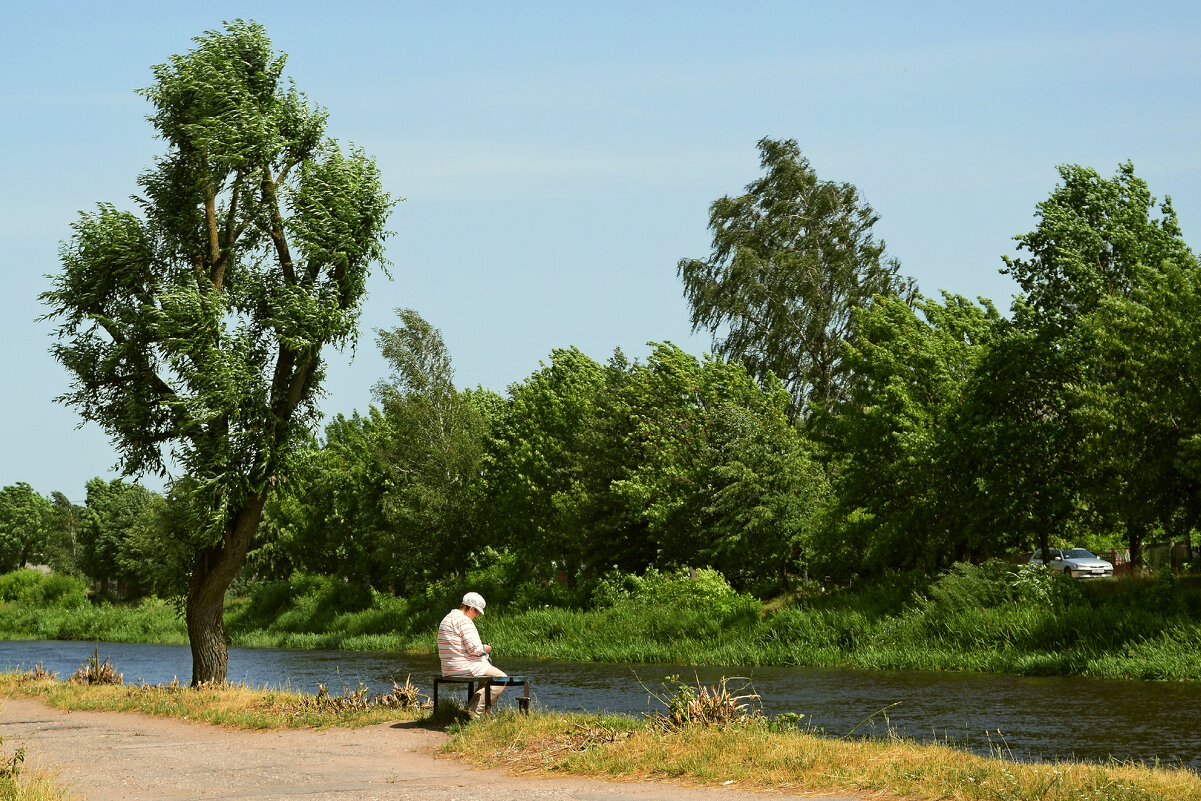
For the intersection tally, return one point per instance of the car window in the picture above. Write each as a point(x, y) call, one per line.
point(1080, 553)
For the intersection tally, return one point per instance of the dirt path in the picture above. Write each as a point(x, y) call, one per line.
point(116, 756)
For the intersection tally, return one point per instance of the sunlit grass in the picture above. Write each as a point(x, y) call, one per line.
point(33, 785)
point(754, 754)
point(229, 705)
point(755, 757)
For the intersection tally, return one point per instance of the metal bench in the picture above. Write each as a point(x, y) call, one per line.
point(523, 700)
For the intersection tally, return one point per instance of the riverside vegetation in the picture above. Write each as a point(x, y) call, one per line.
point(704, 735)
point(992, 617)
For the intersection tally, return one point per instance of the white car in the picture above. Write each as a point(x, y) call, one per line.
point(1076, 562)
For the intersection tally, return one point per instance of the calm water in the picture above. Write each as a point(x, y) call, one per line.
point(1025, 718)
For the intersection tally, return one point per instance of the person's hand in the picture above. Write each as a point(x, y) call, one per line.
point(487, 649)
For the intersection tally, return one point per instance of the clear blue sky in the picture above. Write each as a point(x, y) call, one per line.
point(558, 159)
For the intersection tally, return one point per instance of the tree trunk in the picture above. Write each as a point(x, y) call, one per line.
point(1136, 548)
point(212, 573)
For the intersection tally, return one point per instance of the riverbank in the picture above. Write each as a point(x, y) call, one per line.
point(988, 618)
point(710, 746)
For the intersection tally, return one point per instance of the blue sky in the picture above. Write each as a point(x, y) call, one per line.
point(558, 159)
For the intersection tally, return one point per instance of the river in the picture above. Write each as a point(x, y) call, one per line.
point(1027, 719)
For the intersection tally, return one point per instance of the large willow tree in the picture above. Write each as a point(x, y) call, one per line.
point(193, 326)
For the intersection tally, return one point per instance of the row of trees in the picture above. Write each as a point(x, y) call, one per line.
point(125, 539)
point(582, 467)
point(1076, 418)
point(944, 431)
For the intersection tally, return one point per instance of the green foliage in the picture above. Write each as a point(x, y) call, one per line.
point(26, 519)
point(34, 589)
point(718, 476)
point(905, 495)
point(1034, 584)
point(540, 461)
point(1162, 594)
point(10, 770)
point(433, 455)
point(965, 586)
point(995, 584)
point(792, 258)
point(330, 517)
point(1093, 234)
point(194, 328)
point(304, 603)
point(1095, 260)
point(706, 589)
point(127, 540)
point(1137, 408)
point(64, 615)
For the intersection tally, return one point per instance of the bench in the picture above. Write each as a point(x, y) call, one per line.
point(523, 700)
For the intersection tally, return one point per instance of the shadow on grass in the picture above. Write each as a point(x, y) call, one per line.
point(449, 714)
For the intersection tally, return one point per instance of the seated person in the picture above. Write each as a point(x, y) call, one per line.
point(463, 654)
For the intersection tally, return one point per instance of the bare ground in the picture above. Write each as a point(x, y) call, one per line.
point(117, 756)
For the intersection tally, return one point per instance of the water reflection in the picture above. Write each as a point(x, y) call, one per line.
point(1022, 718)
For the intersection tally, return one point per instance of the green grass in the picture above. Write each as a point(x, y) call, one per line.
point(974, 618)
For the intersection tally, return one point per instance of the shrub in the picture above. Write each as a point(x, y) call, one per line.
point(707, 591)
point(31, 588)
point(1162, 594)
point(967, 586)
point(65, 592)
point(304, 603)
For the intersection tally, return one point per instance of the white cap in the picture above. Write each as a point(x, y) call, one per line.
point(475, 601)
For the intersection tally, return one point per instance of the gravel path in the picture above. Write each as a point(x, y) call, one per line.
point(117, 756)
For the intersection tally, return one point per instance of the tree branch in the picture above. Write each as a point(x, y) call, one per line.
point(270, 197)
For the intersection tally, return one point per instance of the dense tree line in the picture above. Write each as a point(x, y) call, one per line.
point(944, 431)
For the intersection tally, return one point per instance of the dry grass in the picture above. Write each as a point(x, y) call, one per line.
point(755, 757)
point(227, 705)
point(92, 671)
point(747, 752)
point(33, 785)
point(19, 782)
